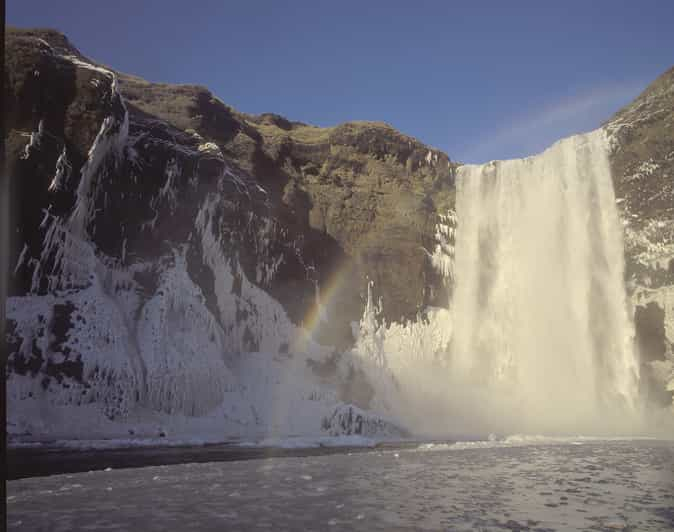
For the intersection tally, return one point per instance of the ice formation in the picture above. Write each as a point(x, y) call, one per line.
point(538, 335)
point(62, 174)
point(442, 257)
point(110, 140)
point(98, 355)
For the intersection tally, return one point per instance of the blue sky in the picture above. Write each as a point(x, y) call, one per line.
point(480, 80)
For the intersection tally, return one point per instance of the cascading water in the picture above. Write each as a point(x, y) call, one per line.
point(541, 325)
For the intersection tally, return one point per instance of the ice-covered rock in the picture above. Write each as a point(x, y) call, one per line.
point(347, 420)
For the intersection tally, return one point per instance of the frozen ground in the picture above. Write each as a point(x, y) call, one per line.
point(538, 484)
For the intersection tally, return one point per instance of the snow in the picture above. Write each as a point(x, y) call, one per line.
point(62, 174)
point(174, 357)
point(89, 66)
point(417, 366)
point(210, 148)
point(431, 158)
point(396, 357)
point(181, 345)
point(169, 363)
point(266, 320)
point(107, 143)
point(167, 193)
point(160, 363)
point(442, 257)
point(21, 259)
point(34, 142)
point(645, 169)
point(653, 243)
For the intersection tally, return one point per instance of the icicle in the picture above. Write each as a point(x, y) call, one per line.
point(62, 174)
point(35, 141)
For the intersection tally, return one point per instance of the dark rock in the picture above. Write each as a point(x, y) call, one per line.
point(306, 206)
point(649, 323)
point(642, 162)
point(351, 202)
point(349, 420)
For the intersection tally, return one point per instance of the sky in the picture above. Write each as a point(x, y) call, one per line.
point(480, 80)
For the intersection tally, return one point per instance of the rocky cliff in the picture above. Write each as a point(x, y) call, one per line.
point(161, 236)
point(643, 172)
point(355, 201)
point(158, 231)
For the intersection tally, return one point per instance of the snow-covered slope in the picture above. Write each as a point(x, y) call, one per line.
point(180, 268)
point(141, 303)
point(642, 161)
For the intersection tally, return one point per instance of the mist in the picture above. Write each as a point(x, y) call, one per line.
point(539, 336)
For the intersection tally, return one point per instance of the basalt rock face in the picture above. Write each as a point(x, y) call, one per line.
point(642, 163)
point(160, 235)
point(348, 203)
point(365, 197)
point(124, 223)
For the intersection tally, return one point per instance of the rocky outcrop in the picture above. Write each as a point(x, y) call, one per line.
point(160, 234)
point(365, 197)
point(643, 171)
point(349, 420)
point(150, 214)
point(348, 203)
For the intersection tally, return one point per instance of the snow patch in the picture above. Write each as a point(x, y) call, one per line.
point(34, 142)
point(442, 258)
point(62, 174)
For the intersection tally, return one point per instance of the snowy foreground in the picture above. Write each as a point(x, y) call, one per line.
point(516, 484)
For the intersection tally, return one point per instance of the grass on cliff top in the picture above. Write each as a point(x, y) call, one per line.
point(304, 134)
point(309, 134)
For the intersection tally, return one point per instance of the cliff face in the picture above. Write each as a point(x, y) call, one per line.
point(364, 197)
point(643, 172)
point(161, 234)
point(140, 252)
point(356, 201)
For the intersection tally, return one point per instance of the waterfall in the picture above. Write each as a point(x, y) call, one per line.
point(540, 311)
